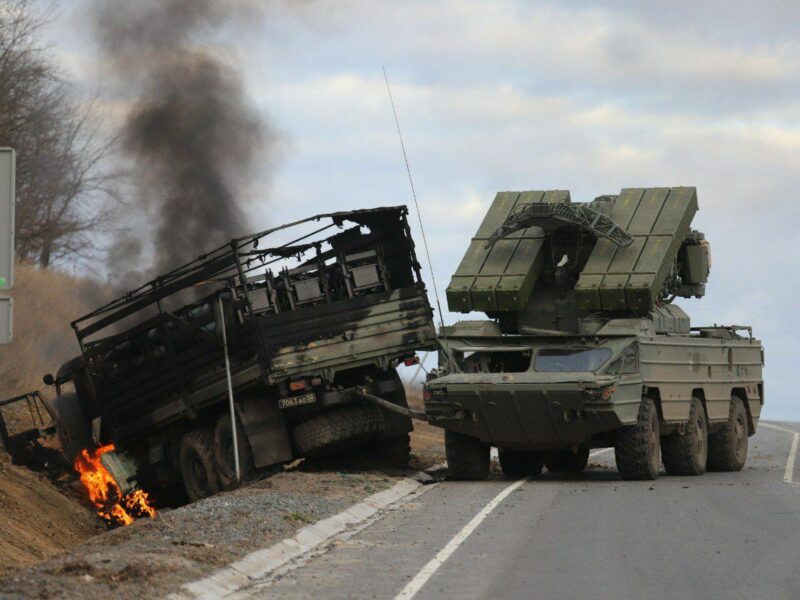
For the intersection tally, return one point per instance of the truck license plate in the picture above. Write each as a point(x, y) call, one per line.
point(291, 401)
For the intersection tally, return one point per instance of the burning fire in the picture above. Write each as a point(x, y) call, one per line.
point(105, 494)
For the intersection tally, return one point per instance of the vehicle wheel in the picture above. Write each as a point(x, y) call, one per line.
point(637, 450)
point(395, 451)
point(567, 461)
point(198, 470)
point(521, 463)
point(727, 448)
point(687, 454)
point(342, 427)
point(223, 452)
point(467, 456)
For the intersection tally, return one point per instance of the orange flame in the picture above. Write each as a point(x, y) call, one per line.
point(104, 493)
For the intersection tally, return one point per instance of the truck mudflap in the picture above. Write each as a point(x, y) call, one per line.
point(538, 417)
point(266, 431)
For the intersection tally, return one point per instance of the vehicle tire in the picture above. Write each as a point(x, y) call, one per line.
point(198, 471)
point(340, 428)
point(637, 449)
point(223, 452)
point(395, 451)
point(727, 448)
point(467, 457)
point(567, 461)
point(521, 463)
point(687, 454)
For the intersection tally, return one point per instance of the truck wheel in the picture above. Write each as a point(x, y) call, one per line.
point(567, 461)
point(521, 463)
point(223, 452)
point(687, 454)
point(395, 451)
point(727, 448)
point(637, 450)
point(467, 457)
point(198, 470)
point(342, 427)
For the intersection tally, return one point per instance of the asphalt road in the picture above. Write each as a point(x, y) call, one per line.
point(721, 535)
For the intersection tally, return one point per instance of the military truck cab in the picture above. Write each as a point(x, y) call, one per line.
point(586, 348)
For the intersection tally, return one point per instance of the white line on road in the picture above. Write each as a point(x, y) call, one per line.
point(788, 475)
point(494, 453)
point(421, 578)
point(596, 452)
point(232, 581)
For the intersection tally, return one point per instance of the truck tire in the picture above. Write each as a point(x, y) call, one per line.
point(223, 452)
point(637, 449)
point(395, 451)
point(342, 427)
point(687, 454)
point(198, 471)
point(467, 457)
point(521, 463)
point(727, 448)
point(567, 461)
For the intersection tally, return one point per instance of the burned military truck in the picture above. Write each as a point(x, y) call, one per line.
point(585, 347)
point(285, 324)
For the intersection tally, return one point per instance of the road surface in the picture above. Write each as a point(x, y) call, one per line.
point(721, 535)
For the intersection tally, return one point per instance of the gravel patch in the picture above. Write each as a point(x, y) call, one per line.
point(152, 558)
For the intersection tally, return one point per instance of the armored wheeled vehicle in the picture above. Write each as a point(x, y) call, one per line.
point(585, 347)
point(268, 340)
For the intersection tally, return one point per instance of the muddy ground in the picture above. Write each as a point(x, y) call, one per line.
point(152, 558)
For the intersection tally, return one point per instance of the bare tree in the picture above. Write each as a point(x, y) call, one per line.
point(65, 193)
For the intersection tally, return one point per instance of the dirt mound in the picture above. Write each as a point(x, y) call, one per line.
point(38, 520)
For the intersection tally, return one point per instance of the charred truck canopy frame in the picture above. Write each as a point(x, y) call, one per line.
point(314, 311)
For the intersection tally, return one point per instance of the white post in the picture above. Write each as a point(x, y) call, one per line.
point(230, 390)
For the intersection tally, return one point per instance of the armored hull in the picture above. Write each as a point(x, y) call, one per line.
point(553, 409)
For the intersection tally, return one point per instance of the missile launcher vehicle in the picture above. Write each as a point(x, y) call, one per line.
point(584, 347)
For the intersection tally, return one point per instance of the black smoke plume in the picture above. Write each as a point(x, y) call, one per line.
point(191, 133)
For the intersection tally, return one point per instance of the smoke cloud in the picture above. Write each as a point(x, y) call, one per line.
point(192, 135)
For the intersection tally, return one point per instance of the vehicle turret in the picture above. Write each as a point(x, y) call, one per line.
point(541, 261)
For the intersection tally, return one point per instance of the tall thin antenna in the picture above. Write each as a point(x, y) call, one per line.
point(416, 205)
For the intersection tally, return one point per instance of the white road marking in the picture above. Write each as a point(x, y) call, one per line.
point(596, 452)
point(494, 453)
point(788, 475)
point(233, 580)
point(421, 578)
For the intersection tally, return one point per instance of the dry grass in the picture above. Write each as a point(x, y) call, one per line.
point(45, 302)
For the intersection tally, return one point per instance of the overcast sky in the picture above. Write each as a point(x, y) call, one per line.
point(584, 96)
